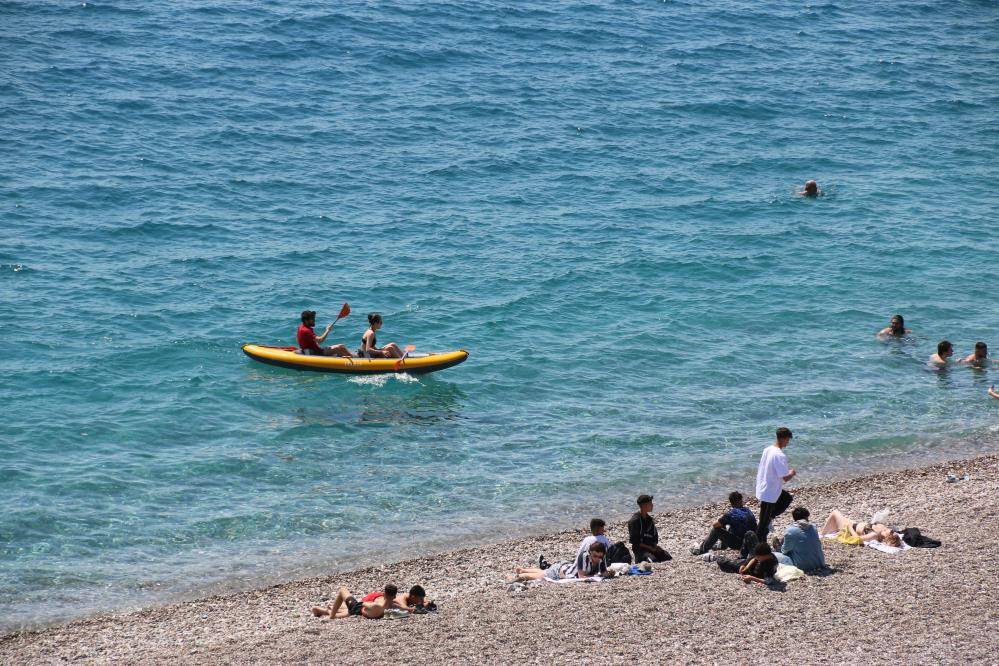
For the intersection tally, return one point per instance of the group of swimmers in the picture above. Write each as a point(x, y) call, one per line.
point(310, 344)
point(979, 358)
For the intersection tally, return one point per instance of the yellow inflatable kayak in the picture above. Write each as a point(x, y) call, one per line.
point(414, 363)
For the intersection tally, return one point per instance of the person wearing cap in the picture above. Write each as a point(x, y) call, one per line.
point(310, 343)
point(771, 476)
point(643, 534)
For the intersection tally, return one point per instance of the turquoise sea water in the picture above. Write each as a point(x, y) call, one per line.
point(595, 199)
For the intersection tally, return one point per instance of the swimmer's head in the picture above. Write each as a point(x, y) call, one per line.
point(944, 349)
point(981, 350)
point(897, 325)
point(811, 188)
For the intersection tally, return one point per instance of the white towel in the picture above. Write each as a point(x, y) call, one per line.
point(885, 548)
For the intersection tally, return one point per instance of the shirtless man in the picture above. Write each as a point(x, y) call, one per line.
point(412, 601)
point(345, 605)
point(944, 351)
point(811, 189)
point(895, 329)
point(980, 358)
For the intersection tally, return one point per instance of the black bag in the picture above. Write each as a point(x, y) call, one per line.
point(917, 539)
point(618, 554)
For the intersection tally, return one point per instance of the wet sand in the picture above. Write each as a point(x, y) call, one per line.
point(923, 605)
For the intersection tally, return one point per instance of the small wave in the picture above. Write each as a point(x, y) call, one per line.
point(380, 380)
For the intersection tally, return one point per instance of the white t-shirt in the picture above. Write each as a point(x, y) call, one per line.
point(584, 545)
point(770, 475)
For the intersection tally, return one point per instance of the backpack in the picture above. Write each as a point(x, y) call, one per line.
point(618, 553)
point(917, 539)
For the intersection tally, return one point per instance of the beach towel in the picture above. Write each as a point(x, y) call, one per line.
point(591, 579)
point(787, 572)
point(885, 548)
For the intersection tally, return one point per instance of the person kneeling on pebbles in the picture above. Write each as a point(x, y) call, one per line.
point(345, 605)
point(588, 564)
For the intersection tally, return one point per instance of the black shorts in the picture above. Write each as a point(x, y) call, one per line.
point(353, 606)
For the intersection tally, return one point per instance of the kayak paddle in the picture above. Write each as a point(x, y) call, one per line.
point(399, 363)
point(344, 311)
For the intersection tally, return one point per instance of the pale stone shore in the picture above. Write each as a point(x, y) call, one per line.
point(920, 606)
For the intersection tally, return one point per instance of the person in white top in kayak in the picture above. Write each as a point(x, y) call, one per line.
point(369, 343)
point(771, 476)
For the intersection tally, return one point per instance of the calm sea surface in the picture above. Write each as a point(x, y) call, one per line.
point(595, 199)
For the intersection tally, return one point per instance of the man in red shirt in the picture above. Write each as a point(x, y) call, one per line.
point(309, 343)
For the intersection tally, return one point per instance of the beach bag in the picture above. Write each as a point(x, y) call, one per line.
point(618, 553)
point(916, 539)
point(788, 572)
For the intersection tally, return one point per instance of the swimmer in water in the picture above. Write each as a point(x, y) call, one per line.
point(896, 329)
point(811, 189)
point(944, 351)
point(993, 392)
point(980, 358)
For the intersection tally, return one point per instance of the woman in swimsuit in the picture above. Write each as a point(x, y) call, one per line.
point(369, 344)
point(837, 523)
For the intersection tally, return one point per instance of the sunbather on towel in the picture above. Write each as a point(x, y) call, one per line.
point(346, 605)
point(855, 533)
point(590, 563)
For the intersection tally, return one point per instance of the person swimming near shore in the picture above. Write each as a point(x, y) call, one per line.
point(590, 563)
point(811, 189)
point(944, 351)
point(310, 344)
point(979, 358)
point(855, 532)
point(345, 605)
point(369, 343)
point(895, 329)
point(993, 392)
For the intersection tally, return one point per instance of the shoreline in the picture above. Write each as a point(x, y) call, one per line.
point(478, 616)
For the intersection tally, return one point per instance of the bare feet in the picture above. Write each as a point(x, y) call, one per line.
point(319, 611)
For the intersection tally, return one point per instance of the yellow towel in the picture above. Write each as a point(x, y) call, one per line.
point(844, 536)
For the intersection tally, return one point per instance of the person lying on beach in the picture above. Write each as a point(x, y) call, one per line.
point(590, 563)
point(855, 533)
point(980, 357)
point(310, 343)
point(733, 529)
point(345, 605)
point(811, 189)
point(944, 351)
point(758, 569)
point(895, 329)
point(643, 535)
point(369, 343)
point(412, 601)
point(801, 546)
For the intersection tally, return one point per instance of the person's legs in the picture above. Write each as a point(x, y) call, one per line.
point(766, 515)
point(729, 565)
point(749, 542)
point(336, 609)
point(522, 574)
point(392, 350)
point(339, 350)
point(782, 503)
point(719, 534)
point(834, 523)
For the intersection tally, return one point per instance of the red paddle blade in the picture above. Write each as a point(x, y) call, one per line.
point(399, 363)
point(344, 311)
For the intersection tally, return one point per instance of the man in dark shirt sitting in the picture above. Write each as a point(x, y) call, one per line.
point(736, 529)
point(643, 534)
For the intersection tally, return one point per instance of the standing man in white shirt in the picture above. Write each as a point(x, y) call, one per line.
point(770, 479)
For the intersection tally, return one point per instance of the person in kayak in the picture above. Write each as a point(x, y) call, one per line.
point(310, 344)
point(369, 343)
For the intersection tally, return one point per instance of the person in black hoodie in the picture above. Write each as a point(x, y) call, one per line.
point(643, 534)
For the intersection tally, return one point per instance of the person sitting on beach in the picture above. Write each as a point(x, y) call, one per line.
point(369, 343)
point(895, 329)
point(590, 563)
point(854, 533)
point(643, 535)
point(597, 529)
point(801, 545)
point(758, 569)
point(735, 529)
point(345, 605)
point(309, 343)
point(811, 189)
point(980, 357)
point(944, 351)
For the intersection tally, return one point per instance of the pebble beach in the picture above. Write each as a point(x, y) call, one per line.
point(918, 606)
